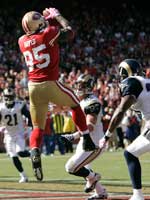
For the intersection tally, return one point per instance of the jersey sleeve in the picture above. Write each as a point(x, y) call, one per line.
point(131, 86)
point(93, 108)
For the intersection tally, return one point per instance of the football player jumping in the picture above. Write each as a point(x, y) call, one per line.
point(78, 164)
point(40, 47)
point(135, 94)
point(12, 123)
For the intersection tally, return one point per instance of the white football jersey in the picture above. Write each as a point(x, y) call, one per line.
point(11, 119)
point(143, 100)
point(91, 102)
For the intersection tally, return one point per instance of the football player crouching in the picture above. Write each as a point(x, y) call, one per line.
point(79, 163)
point(12, 123)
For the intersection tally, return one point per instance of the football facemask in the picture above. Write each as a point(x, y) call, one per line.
point(9, 97)
point(84, 85)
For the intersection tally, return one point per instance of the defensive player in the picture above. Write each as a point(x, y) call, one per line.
point(78, 164)
point(135, 94)
point(40, 48)
point(12, 123)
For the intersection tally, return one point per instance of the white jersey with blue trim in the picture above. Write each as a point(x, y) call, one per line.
point(92, 102)
point(11, 118)
point(143, 100)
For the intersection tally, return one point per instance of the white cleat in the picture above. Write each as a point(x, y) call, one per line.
point(90, 184)
point(23, 180)
point(102, 195)
point(137, 197)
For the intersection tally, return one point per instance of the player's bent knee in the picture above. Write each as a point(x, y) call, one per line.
point(69, 167)
point(128, 155)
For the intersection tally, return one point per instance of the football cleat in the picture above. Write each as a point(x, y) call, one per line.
point(95, 196)
point(23, 179)
point(36, 164)
point(91, 183)
point(67, 138)
point(137, 197)
point(38, 173)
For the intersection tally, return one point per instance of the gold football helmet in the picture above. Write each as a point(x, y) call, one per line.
point(33, 22)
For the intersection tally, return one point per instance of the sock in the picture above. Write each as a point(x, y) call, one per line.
point(36, 138)
point(79, 119)
point(91, 175)
point(17, 164)
point(134, 168)
point(24, 154)
point(98, 188)
point(22, 174)
point(83, 172)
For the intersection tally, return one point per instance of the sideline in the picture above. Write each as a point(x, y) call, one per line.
point(35, 195)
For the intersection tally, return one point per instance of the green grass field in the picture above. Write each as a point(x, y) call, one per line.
point(111, 165)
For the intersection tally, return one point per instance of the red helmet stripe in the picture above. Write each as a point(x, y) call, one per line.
point(25, 25)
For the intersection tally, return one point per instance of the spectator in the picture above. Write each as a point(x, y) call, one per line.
point(48, 142)
point(133, 126)
point(58, 124)
point(68, 128)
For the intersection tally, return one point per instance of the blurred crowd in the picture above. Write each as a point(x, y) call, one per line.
point(103, 37)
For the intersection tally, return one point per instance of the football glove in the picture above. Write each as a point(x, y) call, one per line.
point(53, 12)
point(102, 143)
point(88, 144)
point(104, 140)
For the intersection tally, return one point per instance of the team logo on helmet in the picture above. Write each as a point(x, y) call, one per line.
point(84, 84)
point(129, 67)
point(32, 22)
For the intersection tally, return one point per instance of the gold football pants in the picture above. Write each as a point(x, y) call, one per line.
point(41, 94)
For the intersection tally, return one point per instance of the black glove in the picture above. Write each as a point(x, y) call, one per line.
point(88, 144)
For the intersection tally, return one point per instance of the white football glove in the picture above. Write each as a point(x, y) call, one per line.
point(53, 12)
point(103, 143)
point(104, 140)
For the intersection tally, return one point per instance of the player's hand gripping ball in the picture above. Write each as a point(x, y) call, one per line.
point(50, 13)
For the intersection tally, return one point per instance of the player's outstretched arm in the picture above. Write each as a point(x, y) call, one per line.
point(53, 13)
